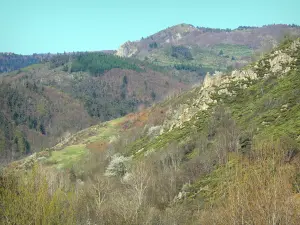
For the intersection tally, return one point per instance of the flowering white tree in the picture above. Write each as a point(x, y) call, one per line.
point(117, 166)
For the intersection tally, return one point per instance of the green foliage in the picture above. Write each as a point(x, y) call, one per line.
point(10, 62)
point(59, 60)
point(124, 87)
point(67, 157)
point(197, 57)
point(246, 27)
point(153, 45)
point(237, 51)
point(271, 105)
point(181, 52)
point(214, 183)
point(2, 141)
point(13, 142)
point(193, 68)
point(17, 101)
point(102, 100)
point(23, 104)
point(217, 30)
point(98, 63)
point(27, 199)
point(177, 135)
point(153, 95)
point(22, 145)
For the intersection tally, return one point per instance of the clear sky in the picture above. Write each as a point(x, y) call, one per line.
point(40, 26)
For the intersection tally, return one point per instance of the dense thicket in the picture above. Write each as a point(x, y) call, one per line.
point(104, 101)
point(98, 63)
point(21, 108)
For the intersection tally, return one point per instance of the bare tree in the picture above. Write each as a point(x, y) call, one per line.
point(138, 181)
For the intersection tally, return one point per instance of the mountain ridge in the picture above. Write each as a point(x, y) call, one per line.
point(217, 49)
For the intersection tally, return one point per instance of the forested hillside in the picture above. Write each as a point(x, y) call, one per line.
point(11, 61)
point(44, 103)
point(225, 152)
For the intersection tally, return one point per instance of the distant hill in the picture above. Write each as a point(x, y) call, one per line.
point(185, 47)
point(43, 103)
point(11, 61)
point(216, 49)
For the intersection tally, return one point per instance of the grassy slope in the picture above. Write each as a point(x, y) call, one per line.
point(206, 57)
point(67, 157)
point(78, 146)
point(270, 106)
point(91, 140)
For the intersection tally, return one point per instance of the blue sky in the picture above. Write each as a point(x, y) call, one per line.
point(39, 26)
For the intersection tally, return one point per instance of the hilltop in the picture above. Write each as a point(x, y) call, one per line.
point(186, 47)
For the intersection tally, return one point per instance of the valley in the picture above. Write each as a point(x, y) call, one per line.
point(190, 125)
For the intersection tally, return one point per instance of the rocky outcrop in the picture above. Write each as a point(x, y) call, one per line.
point(219, 83)
point(279, 60)
point(128, 49)
point(216, 83)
